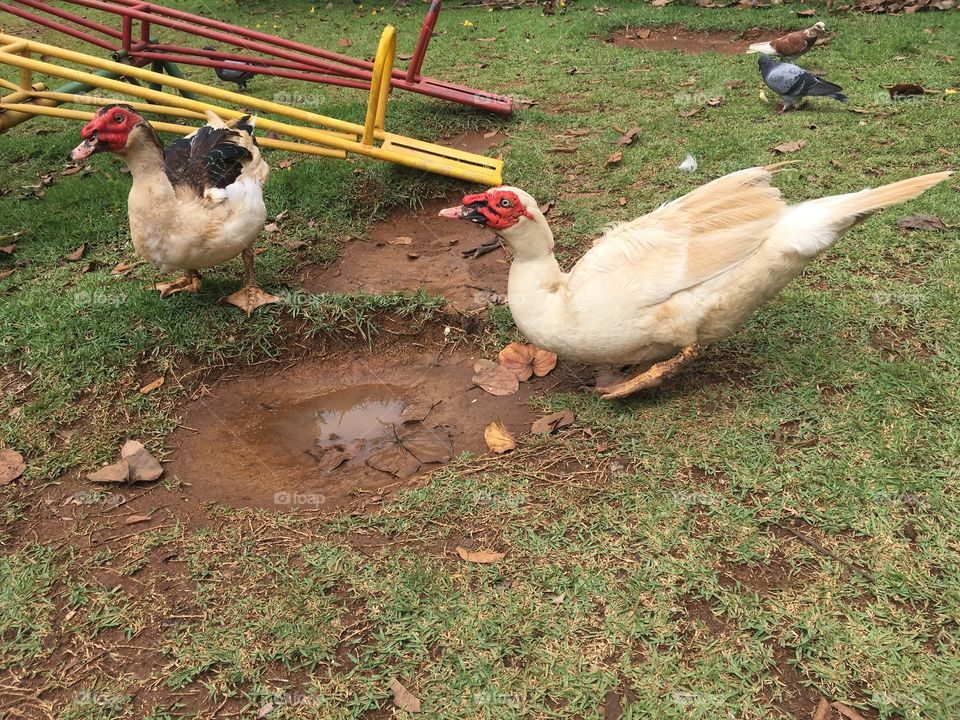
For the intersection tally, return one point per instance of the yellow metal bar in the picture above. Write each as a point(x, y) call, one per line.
point(26, 77)
point(177, 83)
point(101, 101)
point(380, 84)
point(397, 149)
point(167, 127)
point(391, 140)
point(318, 136)
point(16, 46)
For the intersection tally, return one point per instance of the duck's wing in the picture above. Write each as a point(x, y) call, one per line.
point(216, 156)
point(683, 243)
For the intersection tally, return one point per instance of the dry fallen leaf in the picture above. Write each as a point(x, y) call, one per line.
point(715, 102)
point(823, 707)
point(150, 387)
point(495, 379)
point(345, 42)
point(122, 268)
point(478, 556)
point(498, 438)
point(8, 249)
point(332, 458)
point(543, 362)
point(4, 274)
point(691, 113)
point(518, 359)
point(143, 467)
point(921, 222)
point(615, 157)
point(118, 472)
point(284, 164)
point(416, 412)
point(414, 445)
point(134, 519)
point(806, 13)
point(545, 207)
point(401, 240)
point(76, 254)
point(628, 137)
point(271, 227)
point(403, 698)
point(549, 423)
point(790, 147)
point(847, 711)
point(11, 466)
point(563, 149)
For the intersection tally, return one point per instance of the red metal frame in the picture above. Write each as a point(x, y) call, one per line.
point(278, 56)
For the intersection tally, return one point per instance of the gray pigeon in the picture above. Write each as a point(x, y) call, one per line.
point(240, 76)
point(792, 83)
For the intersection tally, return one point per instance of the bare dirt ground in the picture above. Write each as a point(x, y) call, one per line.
point(419, 250)
point(690, 42)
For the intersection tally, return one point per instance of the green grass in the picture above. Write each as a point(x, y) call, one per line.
point(783, 516)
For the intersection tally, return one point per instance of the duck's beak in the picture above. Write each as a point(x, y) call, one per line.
point(87, 148)
point(470, 213)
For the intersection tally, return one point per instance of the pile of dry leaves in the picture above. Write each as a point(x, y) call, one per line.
point(896, 6)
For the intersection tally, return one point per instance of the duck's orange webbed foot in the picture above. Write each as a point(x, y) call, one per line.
point(190, 282)
point(652, 377)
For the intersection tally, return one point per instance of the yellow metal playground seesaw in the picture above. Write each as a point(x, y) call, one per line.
point(324, 136)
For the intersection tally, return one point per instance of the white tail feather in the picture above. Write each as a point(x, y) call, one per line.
point(765, 47)
point(813, 226)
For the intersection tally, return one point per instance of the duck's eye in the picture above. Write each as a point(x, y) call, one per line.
point(504, 203)
point(118, 118)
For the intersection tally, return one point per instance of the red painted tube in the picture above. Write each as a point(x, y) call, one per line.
point(286, 55)
point(149, 56)
point(221, 58)
point(59, 27)
point(426, 32)
point(216, 35)
point(234, 31)
point(65, 15)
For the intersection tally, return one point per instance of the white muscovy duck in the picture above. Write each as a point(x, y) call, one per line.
point(196, 205)
point(687, 274)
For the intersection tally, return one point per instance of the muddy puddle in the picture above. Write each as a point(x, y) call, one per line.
point(416, 249)
point(328, 432)
point(690, 42)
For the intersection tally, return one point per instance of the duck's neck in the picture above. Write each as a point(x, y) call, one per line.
point(536, 283)
point(144, 156)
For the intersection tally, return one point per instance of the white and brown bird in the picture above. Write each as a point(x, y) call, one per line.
point(792, 45)
point(656, 289)
point(196, 205)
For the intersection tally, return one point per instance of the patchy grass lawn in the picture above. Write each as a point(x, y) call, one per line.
point(778, 524)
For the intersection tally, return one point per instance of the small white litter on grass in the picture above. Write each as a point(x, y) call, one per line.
point(689, 164)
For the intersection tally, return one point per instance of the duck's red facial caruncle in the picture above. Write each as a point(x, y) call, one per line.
point(107, 131)
point(497, 209)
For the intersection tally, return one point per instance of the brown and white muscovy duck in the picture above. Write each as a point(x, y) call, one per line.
point(193, 206)
point(683, 276)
